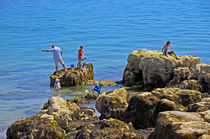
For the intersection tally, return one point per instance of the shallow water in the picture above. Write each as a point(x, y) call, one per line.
point(109, 31)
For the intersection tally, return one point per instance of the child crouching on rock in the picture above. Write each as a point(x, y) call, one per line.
point(97, 88)
point(57, 86)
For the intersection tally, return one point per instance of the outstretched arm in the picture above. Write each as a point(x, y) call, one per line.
point(45, 50)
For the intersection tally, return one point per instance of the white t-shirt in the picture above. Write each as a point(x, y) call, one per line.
point(56, 53)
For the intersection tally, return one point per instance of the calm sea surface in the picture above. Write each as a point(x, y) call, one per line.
point(109, 31)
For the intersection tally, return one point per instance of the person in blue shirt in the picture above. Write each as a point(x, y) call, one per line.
point(57, 55)
point(97, 88)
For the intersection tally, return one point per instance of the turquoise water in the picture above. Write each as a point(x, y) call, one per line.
point(109, 31)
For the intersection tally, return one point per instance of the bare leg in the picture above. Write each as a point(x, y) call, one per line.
point(175, 54)
point(56, 69)
point(64, 68)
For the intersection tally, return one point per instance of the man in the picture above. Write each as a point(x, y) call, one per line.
point(57, 55)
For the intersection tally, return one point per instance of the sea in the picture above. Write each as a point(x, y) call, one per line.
point(108, 29)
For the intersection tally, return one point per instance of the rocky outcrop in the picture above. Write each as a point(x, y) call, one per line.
point(113, 103)
point(66, 120)
point(144, 107)
point(74, 76)
point(151, 69)
point(52, 121)
point(181, 125)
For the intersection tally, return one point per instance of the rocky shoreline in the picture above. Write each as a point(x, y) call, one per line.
point(175, 103)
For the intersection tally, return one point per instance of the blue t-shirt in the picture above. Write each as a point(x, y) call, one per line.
point(97, 88)
point(56, 53)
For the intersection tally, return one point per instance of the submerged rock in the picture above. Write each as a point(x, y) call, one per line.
point(144, 107)
point(74, 76)
point(151, 69)
point(103, 83)
point(113, 103)
point(181, 125)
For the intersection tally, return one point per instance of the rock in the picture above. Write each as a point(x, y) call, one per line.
point(144, 107)
point(180, 125)
point(83, 100)
point(74, 76)
point(35, 128)
point(202, 73)
point(205, 136)
point(113, 103)
point(151, 69)
point(61, 110)
point(107, 128)
point(191, 84)
point(203, 105)
point(103, 83)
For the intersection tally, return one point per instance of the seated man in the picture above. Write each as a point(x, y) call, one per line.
point(166, 50)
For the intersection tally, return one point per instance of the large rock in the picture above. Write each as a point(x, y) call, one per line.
point(202, 73)
point(113, 103)
point(74, 76)
point(60, 110)
point(151, 69)
point(181, 125)
point(35, 127)
point(144, 107)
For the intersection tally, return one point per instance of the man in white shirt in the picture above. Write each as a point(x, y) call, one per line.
point(57, 55)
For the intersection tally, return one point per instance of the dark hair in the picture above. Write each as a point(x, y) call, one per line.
point(81, 46)
point(167, 43)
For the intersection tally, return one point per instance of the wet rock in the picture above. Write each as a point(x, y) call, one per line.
point(180, 125)
point(203, 105)
point(83, 100)
point(74, 76)
point(113, 103)
point(103, 83)
point(35, 128)
point(151, 69)
point(144, 107)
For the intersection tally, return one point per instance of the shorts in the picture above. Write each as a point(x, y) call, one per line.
point(60, 61)
point(170, 52)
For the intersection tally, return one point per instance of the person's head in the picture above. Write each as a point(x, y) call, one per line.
point(56, 80)
point(168, 43)
point(53, 46)
point(81, 47)
point(96, 83)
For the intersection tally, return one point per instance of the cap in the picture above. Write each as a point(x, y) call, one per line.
point(56, 80)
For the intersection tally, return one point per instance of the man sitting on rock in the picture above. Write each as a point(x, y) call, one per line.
point(57, 55)
point(166, 50)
